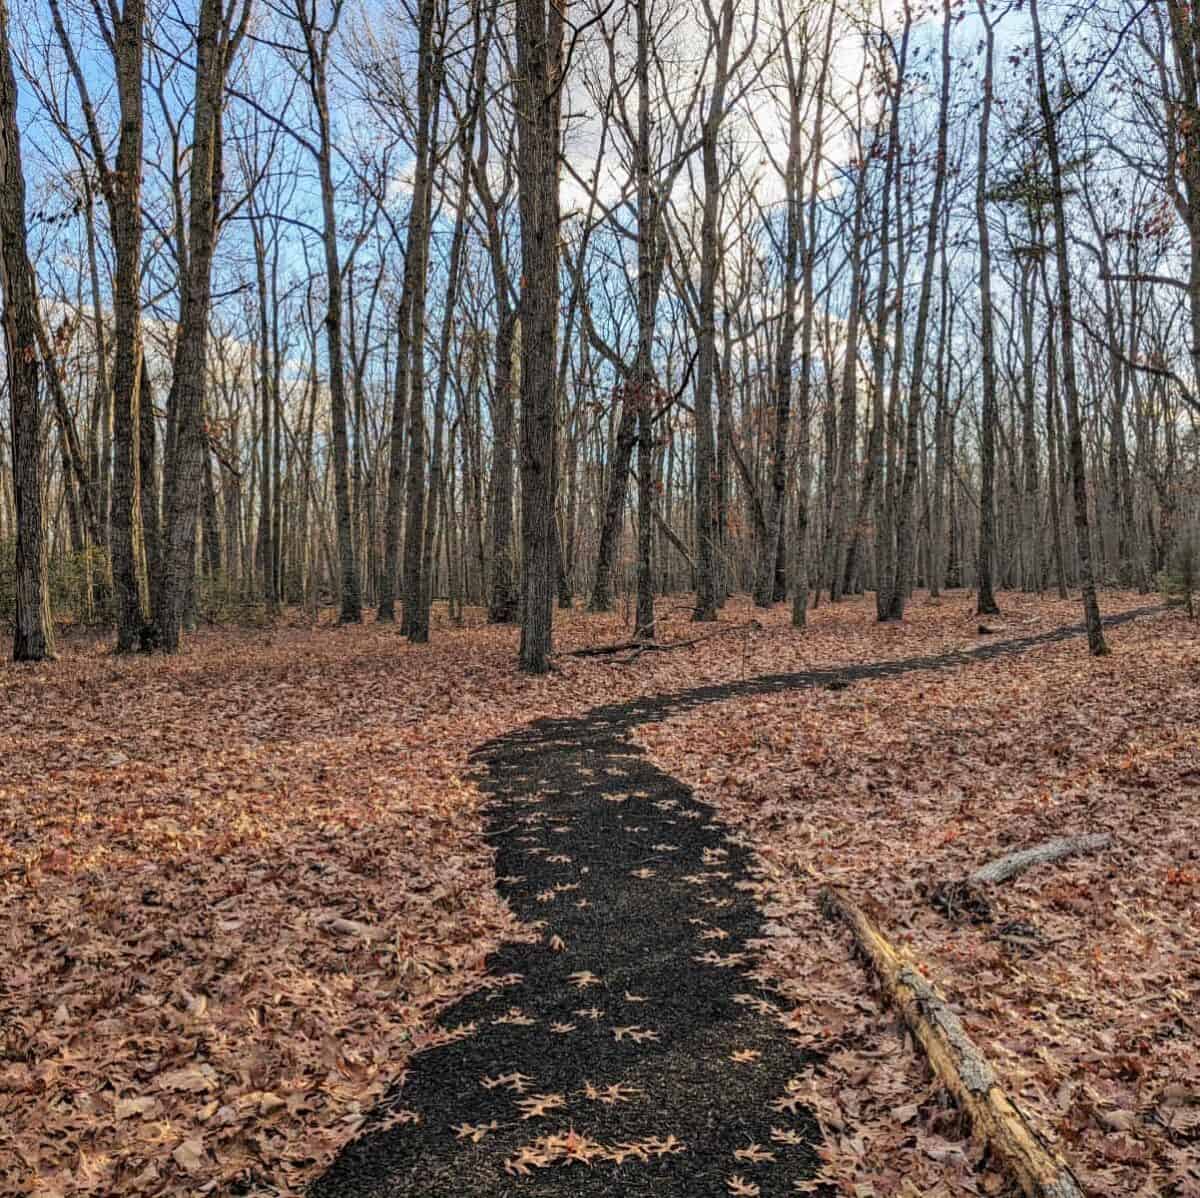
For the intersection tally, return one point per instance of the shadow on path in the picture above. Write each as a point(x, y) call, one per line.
point(627, 1052)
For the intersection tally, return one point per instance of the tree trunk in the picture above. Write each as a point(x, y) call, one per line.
point(503, 594)
point(33, 638)
point(1091, 609)
point(317, 49)
point(722, 22)
point(185, 472)
point(905, 516)
point(539, 34)
point(986, 602)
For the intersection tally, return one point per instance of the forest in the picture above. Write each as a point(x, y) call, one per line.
point(738, 459)
point(795, 301)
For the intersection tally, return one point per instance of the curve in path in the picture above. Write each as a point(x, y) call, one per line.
point(629, 1051)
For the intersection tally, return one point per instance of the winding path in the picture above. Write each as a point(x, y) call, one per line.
point(627, 1052)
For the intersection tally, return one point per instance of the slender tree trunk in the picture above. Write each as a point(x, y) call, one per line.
point(1031, 573)
point(843, 537)
point(722, 23)
point(986, 602)
point(394, 509)
point(781, 383)
point(419, 631)
point(317, 48)
point(808, 235)
point(1091, 609)
point(428, 93)
point(905, 515)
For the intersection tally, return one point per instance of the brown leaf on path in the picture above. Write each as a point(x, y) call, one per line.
point(755, 1154)
point(474, 1131)
point(739, 1187)
point(538, 1106)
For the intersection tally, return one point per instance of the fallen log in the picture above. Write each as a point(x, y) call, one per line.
point(605, 650)
point(1010, 866)
point(965, 896)
point(638, 647)
point(960, 1066)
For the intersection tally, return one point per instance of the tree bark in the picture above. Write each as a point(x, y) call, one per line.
point(416, 283)
point(33, 637)
point(184, 472)
point(986, 601)
point(1091, 609)
point(539, 35)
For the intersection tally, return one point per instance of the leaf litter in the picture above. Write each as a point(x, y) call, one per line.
point(1083, 988)
point(237, 887)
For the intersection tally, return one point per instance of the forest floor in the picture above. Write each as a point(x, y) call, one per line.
point(1083, 987)
point(237, 887)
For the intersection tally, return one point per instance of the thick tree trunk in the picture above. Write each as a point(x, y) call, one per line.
point(614, 504)
point(33, 638)
point(503, 593)
point(184, 473)
point(539, 33)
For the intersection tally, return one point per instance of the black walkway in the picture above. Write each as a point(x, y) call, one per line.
point(626, 1053)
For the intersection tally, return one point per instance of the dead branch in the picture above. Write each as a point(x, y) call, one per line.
point(965, 896)
point(1003, 869)
point(639, 647)
point(995, 1119)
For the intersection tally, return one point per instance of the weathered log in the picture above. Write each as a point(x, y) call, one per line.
point(960, 1066)
point(966, 896)
point(638, 647)
point(604, 650)
point(1010, 866)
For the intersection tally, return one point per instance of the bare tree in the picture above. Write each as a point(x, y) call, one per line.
point(33, 638)
point(218, 36)
point(539, 53)
point(122, 31)
point(1091, 609)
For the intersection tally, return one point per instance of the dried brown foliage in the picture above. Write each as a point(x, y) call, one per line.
point(237, 886)
point(1084, 988)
